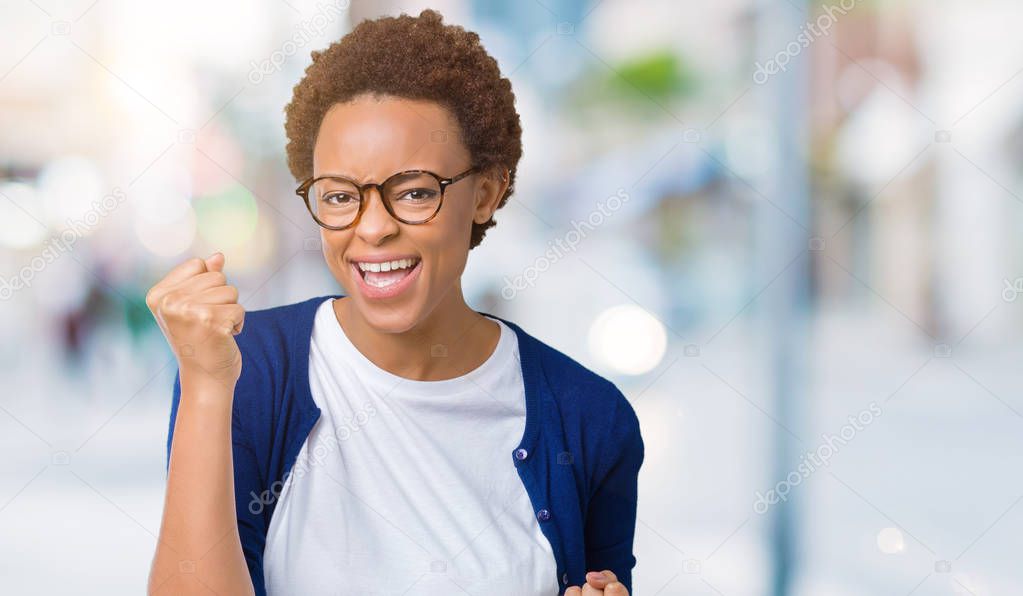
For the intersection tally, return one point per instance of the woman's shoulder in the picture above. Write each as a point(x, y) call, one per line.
point(579, 391)
point(274, 346)
point(280, 322)
point(270, 335)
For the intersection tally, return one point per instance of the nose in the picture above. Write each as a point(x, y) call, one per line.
point(376, 224)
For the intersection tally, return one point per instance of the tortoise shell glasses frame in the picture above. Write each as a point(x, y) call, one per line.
point(442, 183)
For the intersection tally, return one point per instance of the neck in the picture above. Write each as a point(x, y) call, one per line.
point(449, 342)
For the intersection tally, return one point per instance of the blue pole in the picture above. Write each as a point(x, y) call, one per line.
point(783, 231)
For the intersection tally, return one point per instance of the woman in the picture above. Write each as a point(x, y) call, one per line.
point(391, 440)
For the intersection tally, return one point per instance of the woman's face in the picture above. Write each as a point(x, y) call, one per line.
point(368, 139)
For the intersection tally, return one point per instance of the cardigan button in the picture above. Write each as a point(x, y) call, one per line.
point(521, 454)
point(564, 579)
point(543, 514)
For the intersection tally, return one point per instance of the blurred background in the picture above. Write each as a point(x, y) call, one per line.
point(787, 231)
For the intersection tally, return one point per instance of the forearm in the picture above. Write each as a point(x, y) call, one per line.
point(199, 546)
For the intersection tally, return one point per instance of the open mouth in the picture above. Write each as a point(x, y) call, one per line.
point(386, 273)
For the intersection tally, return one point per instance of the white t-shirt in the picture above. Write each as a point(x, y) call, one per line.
point(408, 487)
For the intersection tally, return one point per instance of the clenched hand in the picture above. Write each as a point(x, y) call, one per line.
point(599, 583)
point(199, 315)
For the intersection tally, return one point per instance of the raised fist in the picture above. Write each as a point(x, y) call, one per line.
point(199, 315)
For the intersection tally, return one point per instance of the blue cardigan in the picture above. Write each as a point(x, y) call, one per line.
point(578, 459)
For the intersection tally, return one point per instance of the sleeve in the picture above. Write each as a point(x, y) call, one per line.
point(611, 513)
point(250, 503)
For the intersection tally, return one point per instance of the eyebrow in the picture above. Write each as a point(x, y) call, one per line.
point(350, 177)
point(336, 175)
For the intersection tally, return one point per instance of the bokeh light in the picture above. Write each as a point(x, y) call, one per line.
point(20, 216)
point(69, 187)
point(168, 238)
point(628, 339)
point(228, 218)
point(890, 541)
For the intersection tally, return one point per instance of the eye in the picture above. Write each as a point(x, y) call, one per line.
point(418, 195)
point(339, 198)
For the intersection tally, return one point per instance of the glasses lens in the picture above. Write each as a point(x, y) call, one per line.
point(414, 197)
point(334, 201)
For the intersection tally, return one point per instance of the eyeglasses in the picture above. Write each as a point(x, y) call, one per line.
point(411, 197)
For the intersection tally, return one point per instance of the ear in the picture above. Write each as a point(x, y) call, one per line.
point(492, 186)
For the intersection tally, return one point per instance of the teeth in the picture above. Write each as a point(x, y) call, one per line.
point(388, 265)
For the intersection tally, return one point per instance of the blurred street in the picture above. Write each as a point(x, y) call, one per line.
point(789, 232)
